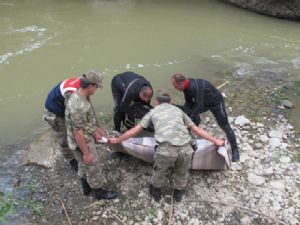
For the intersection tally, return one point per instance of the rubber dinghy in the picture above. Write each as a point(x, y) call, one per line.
point(207, 156)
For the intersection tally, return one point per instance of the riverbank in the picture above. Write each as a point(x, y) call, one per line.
point(262, 189)
point(280, 9)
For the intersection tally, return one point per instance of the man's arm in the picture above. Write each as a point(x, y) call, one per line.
point(202, 133)
point(198, 98)
point(128, 134)
point(80, 139)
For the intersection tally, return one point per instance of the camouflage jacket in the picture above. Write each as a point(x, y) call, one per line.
point(79, 115)
point(170, 124)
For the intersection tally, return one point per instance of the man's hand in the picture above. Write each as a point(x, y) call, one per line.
point(99, 133)
point(219, 142)
point(87, 158)
point(113, 140)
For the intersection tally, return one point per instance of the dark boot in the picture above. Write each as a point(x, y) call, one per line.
point(178, 195)
point(235, 155)
point(155, 192)
point(103, 194)
point(74, 164)
point(85, 187)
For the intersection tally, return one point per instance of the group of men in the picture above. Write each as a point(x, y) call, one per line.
point(71, 114)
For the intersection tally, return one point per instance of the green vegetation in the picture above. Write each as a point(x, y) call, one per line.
point(9, 203)
point(285, 91)
point(296, 157)
point(152, 212)
point(104, 119)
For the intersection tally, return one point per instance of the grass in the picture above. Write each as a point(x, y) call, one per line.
point(285, 91)
point(9, 203)
point(296, 157)
point(104, 119)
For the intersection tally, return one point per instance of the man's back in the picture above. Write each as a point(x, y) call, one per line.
point(202, 92)
point(170, 124)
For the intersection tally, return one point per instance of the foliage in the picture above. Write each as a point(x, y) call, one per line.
point(152, 212)
point(104, 119)
point(9, 202)
point(285, 91)
point(296, 158)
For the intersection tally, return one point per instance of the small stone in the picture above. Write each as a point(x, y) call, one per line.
point(263, 138)
point(256, 180)
point(277, 185)
point(95, 218)
point(246, 220)
point(276, 133)
point(287, 103)
point(285, 159)
point(260, 125)
point(236, 166)
point(241, 121)
point(258, 145)
point(274, 142)
point(293, 220)
point(268, 171)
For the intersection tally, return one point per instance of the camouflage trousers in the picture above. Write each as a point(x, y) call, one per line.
point(58, 125)
point(92, 172)
point(169, 156)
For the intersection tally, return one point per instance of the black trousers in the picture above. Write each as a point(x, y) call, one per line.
point(117, 90)
point(220, 114)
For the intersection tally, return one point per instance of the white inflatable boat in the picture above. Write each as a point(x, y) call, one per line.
point(207, 156)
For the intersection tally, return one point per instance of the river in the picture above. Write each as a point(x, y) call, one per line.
point(44, 42)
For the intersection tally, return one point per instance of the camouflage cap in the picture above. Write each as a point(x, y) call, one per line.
point(93, 77)
point(162, 95)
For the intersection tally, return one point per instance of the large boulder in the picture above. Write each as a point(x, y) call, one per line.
point(279, 8)
point(43, 152)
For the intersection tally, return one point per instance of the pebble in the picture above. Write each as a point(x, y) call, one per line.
point(285, 159)
point(277, 185)
point(264, 138)
point(274, 142)
point(241, 121)
point(268, 171)
point(256, 180)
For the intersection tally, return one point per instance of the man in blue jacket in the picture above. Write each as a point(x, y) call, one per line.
point(55, 115)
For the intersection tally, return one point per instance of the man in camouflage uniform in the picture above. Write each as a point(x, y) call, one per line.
point(55, 115)
point(83, 130)
point(174, 147)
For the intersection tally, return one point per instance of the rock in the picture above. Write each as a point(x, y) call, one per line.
point(264, 138)
point(278, 133)
point(246, 220)
point(241, 121)
point(274, 142)
point(268, 171)
point(293, 220)
point(287, 103)
point(256, 180)
point(235, 166)
point(277, 185)
point(279, 9)
point(42, 152)
point(285, 159)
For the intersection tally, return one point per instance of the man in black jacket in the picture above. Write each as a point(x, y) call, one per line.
point(200, 96)
point(128, 88)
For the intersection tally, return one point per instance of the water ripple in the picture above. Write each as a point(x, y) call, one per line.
point(35, 42)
